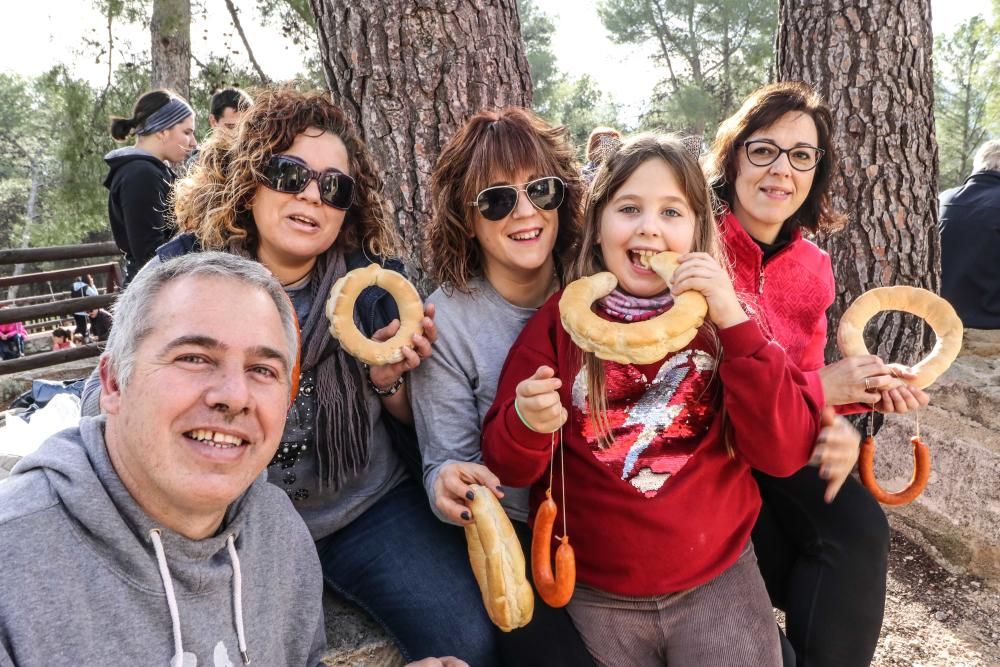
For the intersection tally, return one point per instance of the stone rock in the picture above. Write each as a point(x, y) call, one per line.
point(354, 639)
point(957, 518)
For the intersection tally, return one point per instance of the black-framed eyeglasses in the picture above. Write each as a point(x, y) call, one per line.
point(764, 152)
point(497, 202)
point(284, 173)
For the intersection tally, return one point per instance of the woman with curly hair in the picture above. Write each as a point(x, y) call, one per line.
point(296, 188)
point(507, 199)
point(821, 539)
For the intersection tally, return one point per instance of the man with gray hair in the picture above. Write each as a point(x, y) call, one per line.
point(970, 242)
point(149, 535)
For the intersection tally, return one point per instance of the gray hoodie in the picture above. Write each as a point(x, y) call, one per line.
point(81, 582)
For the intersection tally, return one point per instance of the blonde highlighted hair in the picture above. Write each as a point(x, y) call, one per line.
point(617, 168)
point(214, 201)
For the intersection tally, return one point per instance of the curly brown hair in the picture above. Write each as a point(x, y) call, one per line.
point(214, 201)
point(493, 145)
point(763, 108)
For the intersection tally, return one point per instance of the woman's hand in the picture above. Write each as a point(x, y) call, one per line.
point(385, 376)
point(451, 489)
point(904, 397)
point(836, 451)
point(537, 401)
point(700, 271)
point(857, 379)
point(447, 661)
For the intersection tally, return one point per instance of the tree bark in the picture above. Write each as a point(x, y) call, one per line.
point(170, 46)
point(409, 73)
point(871, 61)
point(30, 213)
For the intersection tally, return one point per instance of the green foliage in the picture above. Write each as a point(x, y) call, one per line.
point(967, 85)
point(558, 98)
point(714, 53)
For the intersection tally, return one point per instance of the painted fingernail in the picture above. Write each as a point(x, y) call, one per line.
point(499, 488)
point(470, 495)
point(466, 516)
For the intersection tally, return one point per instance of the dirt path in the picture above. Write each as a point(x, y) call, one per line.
point(936, 619)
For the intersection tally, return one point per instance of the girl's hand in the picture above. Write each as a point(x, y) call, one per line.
point(451, 489)
point(836, 451)
point(385, 376)
point(537, 401)
point(700, 271)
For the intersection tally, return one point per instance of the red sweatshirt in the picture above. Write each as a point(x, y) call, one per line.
point(664, 508)
point(789, 295)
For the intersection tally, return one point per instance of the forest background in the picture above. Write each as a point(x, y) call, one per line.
point(680, 65)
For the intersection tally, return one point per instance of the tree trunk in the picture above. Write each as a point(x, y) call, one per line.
point(871, 60)
point(170, 46)
point(30, 214)
point(409, 73)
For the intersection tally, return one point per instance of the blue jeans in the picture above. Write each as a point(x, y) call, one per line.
point(411, 572)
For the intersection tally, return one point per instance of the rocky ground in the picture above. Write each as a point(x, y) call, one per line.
point(934, 618)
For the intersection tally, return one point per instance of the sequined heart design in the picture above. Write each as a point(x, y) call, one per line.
point(655, 424)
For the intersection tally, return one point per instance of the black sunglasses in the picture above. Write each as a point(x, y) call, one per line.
point(497, 202)
point(284, 173)
point(764, 152)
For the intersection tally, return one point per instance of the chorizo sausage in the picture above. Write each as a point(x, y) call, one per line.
point(556, 589)
point(921, 473)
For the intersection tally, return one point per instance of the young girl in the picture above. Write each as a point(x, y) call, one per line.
point(658, 493)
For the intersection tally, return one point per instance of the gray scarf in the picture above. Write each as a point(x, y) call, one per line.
point(342, 431)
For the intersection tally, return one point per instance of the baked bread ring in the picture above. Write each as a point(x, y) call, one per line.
point(498, 562)
point(937, 312)
point(632, 342)
point(340, 313)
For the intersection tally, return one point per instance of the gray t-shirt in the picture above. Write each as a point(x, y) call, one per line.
point(452, 390)
point(326, 511)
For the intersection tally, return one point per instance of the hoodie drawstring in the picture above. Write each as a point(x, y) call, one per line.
point(168, 587)
point(175, 619)
point(238, 598)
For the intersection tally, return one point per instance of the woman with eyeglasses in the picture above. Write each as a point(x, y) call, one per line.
point(297, 189)
point(821, 539)
point(507, 200)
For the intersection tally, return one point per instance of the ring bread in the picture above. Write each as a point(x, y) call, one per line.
point(937, 312)
point(340, 313)
point(634, 342)
point(498, 562)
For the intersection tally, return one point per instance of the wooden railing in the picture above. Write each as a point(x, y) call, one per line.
point(55, 308)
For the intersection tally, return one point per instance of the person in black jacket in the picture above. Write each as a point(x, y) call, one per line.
point(970, 242)
point(139, 179)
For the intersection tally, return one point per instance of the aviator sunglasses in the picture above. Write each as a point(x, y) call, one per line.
point(284, 173)
point(497, 202)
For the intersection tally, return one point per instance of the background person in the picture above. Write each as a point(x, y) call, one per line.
point(227, 107)
point(100, 322)
point(139, 177)
point(13, 335)
point(970, 242)
point(62, 339)
point(82, 286)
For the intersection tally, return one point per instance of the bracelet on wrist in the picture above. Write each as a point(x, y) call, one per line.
point(379, 391)
point(523, 420)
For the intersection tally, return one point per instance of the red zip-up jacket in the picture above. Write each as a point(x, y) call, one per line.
point(665, 507)
point(788, 295)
